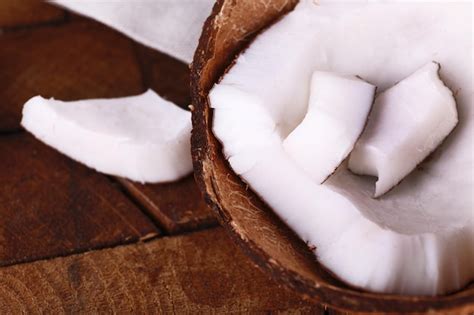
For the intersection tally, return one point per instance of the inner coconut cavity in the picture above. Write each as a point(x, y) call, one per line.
point(418, 238)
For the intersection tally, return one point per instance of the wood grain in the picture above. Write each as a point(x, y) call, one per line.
point(18, 13)
point(51, 205)
point(73, 61)
point(198, 273)
point(176, 206)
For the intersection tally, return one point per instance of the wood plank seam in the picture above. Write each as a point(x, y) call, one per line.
point(129, 241)
point(52, 206)
point(199, 273)
point(8, 132)
point(65, 19)
point(166, 75)
point(156, 220)
point(67, 253)
point(141, 65)
point(136, 203)
point(143, 209)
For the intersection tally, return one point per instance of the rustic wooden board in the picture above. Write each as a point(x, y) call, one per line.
point(176, 206)
point(199, 272)
point(74, 61)
point(51, 205)
point(17, 13)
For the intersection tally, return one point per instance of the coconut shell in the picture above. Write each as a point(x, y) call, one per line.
point(248, 220)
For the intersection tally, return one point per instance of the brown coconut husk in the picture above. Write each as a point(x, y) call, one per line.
point(248, 220)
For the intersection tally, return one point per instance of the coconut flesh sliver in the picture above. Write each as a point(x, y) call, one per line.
point(419, 237)
point(144, 138)
point(408, 122)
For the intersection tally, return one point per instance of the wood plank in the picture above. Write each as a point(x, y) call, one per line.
point(198, 273)
point(51, 205)
point(74, 61)
point(15, 13)
point(166, 75)
point(176, 206)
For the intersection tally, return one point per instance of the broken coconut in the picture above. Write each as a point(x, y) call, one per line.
point(144, 138)
point(408, 122)
point(380, 238)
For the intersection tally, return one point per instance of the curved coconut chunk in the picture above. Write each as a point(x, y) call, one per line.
point(408, 122)
point(357, 249)
point(419, 238)
point(244, 125)
point(337, 113)
point(144, 138)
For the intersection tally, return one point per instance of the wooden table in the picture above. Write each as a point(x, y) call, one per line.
point(75, 241)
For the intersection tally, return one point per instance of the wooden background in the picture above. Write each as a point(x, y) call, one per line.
point(75, 241)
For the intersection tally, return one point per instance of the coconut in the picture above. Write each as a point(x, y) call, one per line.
point(395, 256)
point(144, 138)
point(273, 246)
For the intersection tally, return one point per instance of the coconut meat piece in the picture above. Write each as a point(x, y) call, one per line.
point(408, 122)
point(419, 237)
point(144, 138)
point(337, 113)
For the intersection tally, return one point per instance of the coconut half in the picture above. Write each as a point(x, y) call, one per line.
point(417, 239)
point(144, 138)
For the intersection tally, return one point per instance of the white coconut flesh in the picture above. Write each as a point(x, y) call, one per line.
point(337, 113)
point(408, 122)
point(419, 237)
point(144, 138)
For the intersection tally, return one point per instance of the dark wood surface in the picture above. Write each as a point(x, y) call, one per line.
point(51, 205)
point(16, 14)
point(75, 241)
point(165, 75)
point(199, 272)
point(75, 60)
